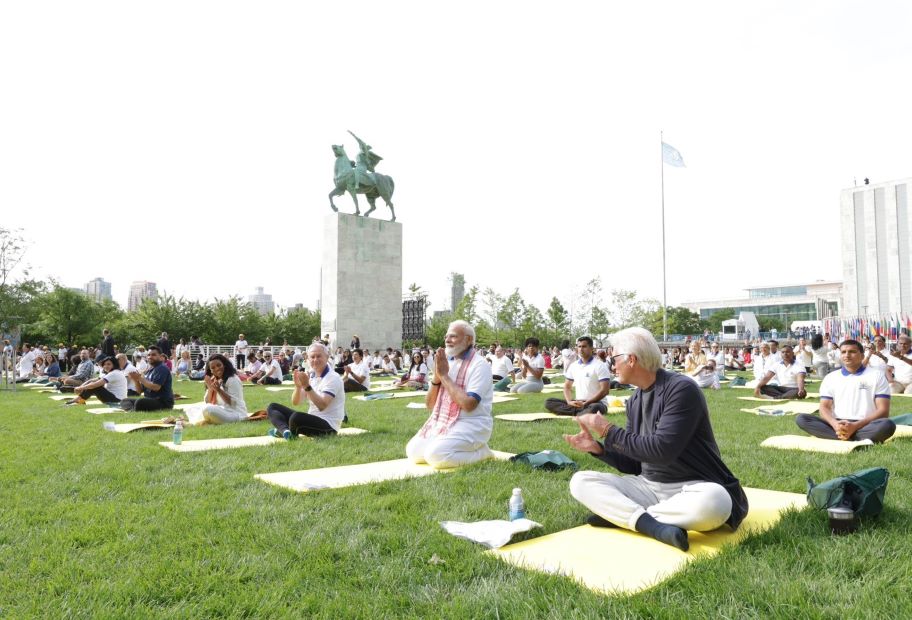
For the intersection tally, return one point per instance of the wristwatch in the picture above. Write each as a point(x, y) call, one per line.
point(308, 389)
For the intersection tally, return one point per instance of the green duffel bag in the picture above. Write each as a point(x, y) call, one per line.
point(549, 460)
point(863, 491)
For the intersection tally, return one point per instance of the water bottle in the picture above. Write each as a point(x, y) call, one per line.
point(178, 435)
point(517, 505)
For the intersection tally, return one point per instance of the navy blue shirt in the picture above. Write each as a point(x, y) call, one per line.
point(160, 375)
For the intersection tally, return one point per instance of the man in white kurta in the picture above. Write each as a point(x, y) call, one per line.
point(460, 399)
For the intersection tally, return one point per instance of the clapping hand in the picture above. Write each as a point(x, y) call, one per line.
point(301, 378)
point(583, 440)
point(441, 363)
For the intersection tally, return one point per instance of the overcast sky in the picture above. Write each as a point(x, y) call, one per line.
point(188, 143)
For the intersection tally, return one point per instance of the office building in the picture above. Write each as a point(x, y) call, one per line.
point(262, 301)
point(140, 291)
point(98, 289)
point(813, 301)
point(876, 241)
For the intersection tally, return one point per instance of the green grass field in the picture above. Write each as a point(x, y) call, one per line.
point(106, 525)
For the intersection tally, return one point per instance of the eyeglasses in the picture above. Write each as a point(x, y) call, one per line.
point(613, 357)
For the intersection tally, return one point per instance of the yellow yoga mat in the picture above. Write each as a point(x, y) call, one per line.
point(202, 445)
point(814, 444)
point(618, 561)
point(277, 388)
point(789, 407)
point(902, 432)
point(353, 475)
point(755, 399)
point(409, 394)
point(142, 426)
point(60, 397)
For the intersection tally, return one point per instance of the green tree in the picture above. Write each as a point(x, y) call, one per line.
point(767, 323)
point(467, 308)
point(301, 326)
point(680, 321)
point(435, 332)
point(70, 317)
point(714, 322)
point(558, 316)
point(628, 310)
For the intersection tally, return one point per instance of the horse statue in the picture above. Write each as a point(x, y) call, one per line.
point(361, 178)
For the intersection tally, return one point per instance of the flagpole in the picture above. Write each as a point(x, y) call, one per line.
point(664, 296)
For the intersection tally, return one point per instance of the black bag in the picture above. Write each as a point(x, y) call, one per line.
point(863, 491)
point(128, 404)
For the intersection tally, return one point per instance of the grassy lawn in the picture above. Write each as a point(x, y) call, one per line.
point(100, 524)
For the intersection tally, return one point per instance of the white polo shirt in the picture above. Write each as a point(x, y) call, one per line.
point(329, 384)
point(362, 370)
point(787, 376)
point(902, 371)
point(501, 366)
point(805, 356)
point(876, 362)
point(587, 377)
point(853, 394)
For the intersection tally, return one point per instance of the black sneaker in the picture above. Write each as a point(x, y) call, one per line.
point(597, 521)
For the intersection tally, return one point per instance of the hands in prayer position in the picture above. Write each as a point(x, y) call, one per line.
point(583, 440)
point(301, 378)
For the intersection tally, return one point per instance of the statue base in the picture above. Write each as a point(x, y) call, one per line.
point(361, 281)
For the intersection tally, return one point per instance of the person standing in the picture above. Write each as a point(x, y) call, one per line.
point(164, 345)
point(240, 352)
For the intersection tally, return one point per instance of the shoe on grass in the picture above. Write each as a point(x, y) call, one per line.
point(273, 432)
point(287, 435)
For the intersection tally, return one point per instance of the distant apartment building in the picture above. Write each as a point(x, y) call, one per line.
point(140, 291)
point(98, 289)
point(262, 301)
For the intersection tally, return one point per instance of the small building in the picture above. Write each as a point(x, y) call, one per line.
point(792, 302)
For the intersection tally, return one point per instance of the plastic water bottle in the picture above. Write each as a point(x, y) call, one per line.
point(178, 435)
point(517, 505)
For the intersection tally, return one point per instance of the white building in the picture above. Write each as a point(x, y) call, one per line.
point(139, 292)
point(794, 302)
point(262, 301)
point(876, 244)
point(98, 289)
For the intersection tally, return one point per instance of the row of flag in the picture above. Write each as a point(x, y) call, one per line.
point(890, 326)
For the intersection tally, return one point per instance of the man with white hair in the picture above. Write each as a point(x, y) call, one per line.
point(460, 397)
point(676, 478)
point(322, 388)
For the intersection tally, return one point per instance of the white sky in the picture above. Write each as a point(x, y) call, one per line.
point(523, 138)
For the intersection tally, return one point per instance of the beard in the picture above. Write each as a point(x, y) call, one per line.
point(456, 350)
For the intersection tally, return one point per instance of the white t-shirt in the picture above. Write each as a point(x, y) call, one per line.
point(876, 362)
point(272, 369)
point(568, 356)
point(329, 383)
point(240, 348)
point(116, 383)
point(853, 394)
point(787, 376)
point(902, 371)
point(537, 362)
point(362, 370)
point(388, 366)
point(416, 372)
point(587, 377)
point(776, 357)
point(819, 356)
point(501, 366)
point(235, 390)
point(805, 356)
point(27, 363)
point(762, 365)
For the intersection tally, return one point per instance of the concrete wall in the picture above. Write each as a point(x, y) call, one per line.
point(361, 289)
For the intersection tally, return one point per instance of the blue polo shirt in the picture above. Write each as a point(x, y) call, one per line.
point(160, 375)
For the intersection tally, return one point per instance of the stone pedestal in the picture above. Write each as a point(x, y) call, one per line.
point(361, 284)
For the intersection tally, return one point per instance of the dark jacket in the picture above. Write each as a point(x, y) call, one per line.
point(683, 434)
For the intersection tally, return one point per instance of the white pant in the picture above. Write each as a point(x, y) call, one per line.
point(213, 414)
point(693, 505)
point(529, 386)
point(901, 388)
point(465, 442)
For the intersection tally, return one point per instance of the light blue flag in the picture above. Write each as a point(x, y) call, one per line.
point(671, 156)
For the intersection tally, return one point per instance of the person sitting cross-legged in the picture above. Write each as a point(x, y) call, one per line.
point(111, 387)
point(531, 367)
point(854, 401)
point(675, 478)
point(322, 389)
point(706, 375)
point(356, 376)
point(416, 376)
point(788, 373)
point(271, 371)
point(899, 366)
point(589, 376)
point(224, 394)
point(155, 385)
point(460, 397)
